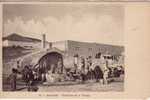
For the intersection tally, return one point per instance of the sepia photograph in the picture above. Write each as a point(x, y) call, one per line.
point(63, 47)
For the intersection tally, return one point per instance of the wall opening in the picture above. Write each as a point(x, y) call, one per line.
point(52, 61)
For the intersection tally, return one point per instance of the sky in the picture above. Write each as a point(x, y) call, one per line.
point(101, 23)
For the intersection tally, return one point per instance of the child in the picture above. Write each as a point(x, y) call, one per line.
point(13, 77)
point(105, 76)
point(50, 77)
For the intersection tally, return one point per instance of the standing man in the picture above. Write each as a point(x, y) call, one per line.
point(60, 66)
point(105, 70)
point(28, 77)
point(76, 63)
point(13, 77)
point(60, 70)
point(91, 68)
point(82, 67)
point(87, 65)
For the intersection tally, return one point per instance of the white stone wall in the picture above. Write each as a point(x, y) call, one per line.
point(91, 49)
point(85, 49)
point(60, 45)
point(7, 43)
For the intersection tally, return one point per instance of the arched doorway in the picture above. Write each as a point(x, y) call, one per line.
point(51, 61)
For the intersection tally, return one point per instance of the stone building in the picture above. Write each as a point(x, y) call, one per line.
point(86, 49)
point(66, 50)
point(25, 42)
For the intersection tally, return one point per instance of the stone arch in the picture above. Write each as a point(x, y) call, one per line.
point(51, 61)
point(33, 59)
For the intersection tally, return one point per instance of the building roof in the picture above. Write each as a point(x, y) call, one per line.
point(16, 37)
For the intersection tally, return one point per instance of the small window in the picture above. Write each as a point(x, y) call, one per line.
point(90, 49)
point(77, 48)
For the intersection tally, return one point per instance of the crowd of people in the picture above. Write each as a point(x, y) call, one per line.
point(90, 69)
point(84, 69)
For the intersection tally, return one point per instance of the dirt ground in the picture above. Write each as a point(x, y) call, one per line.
point(88, 87)
point(72, 86)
